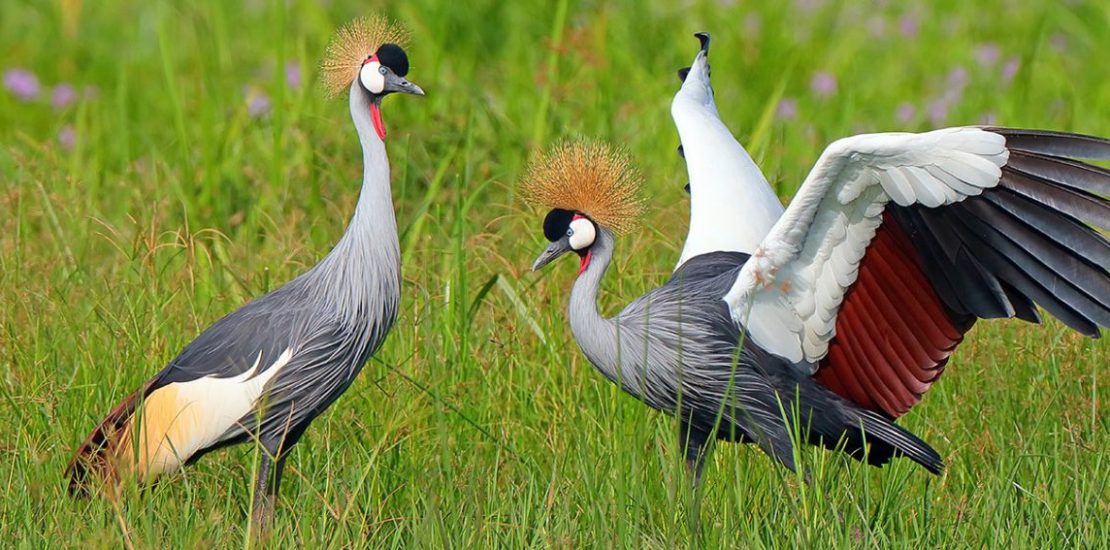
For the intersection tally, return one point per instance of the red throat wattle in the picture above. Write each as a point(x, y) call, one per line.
point(376, 116)
point(585, 261)
point(375, 109)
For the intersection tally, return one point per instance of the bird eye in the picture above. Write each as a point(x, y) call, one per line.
point(381, 69)
point(570, 232)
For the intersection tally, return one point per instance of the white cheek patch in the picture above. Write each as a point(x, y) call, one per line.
point(372, 78)
point(583, 233)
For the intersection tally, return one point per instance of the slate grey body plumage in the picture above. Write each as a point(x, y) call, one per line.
point(677, 349)
point(332, 317)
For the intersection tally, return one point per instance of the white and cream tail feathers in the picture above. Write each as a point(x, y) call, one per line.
point(181, 418)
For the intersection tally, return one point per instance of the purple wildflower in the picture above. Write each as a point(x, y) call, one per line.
point(787, 109)
point(752, 23)
point(908, 26)
point(876, 25)
point(823, 84)
point(938, 111)
point(22, 84)
point(63, 96)
point(1059, 42)
point(293, 77)
point(905, 112)
point(957, 78)
point(67, 137)
point(987, 54)
point(1010, 69)
point(808, 5)
point(258, 104)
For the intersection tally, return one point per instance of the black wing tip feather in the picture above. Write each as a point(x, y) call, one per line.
point(1057, 144)
point(1053, 204)
point(1059, 172)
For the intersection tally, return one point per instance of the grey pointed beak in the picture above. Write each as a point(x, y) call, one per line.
point(554, 250)
point(394, 83)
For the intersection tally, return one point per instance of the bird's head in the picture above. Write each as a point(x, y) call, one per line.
point(383, 72)
point(366, 57)
point(590, 188)
point(568, 231)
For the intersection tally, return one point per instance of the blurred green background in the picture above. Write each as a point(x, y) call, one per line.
point(164, 162)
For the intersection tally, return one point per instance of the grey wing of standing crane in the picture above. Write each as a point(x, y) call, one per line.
point(265, 371)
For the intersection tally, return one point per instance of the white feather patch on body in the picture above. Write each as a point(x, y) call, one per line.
point(789, 293)
point(732, 207)
point(182, 418)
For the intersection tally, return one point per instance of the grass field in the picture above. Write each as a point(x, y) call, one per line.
point(178, 159)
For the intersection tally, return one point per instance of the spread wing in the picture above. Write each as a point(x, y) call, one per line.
point(896, 243)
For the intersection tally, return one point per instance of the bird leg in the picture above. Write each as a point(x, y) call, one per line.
point(266, 488)
point(697, 446)
point(695, 443)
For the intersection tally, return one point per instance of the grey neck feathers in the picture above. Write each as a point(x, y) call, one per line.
point(596, 335)
point(361, 276)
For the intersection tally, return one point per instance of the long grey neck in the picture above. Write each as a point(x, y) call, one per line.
point(596, 335)
point(362, 274)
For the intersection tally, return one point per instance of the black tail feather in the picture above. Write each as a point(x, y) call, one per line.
point(904, 442)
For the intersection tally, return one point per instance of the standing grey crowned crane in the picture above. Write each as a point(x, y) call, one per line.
point(266, 370)
point(849, 308)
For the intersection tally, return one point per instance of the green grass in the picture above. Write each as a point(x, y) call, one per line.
point(480, 423)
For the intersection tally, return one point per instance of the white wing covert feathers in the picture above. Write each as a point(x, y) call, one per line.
point(788, 294)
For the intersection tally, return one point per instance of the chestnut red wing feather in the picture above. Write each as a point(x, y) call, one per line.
point(893, 333)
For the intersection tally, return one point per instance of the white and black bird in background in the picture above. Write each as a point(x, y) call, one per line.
point(838, 315)
point(266, 370)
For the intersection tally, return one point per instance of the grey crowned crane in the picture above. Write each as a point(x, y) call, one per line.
point(732, 207)
point(266, 370)
point(847, 311)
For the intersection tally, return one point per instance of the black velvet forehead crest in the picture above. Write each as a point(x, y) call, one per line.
point(394, 57)
point(556, 223)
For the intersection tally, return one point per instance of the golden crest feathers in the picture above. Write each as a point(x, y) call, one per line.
point(353, 43)
point(590, 177)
